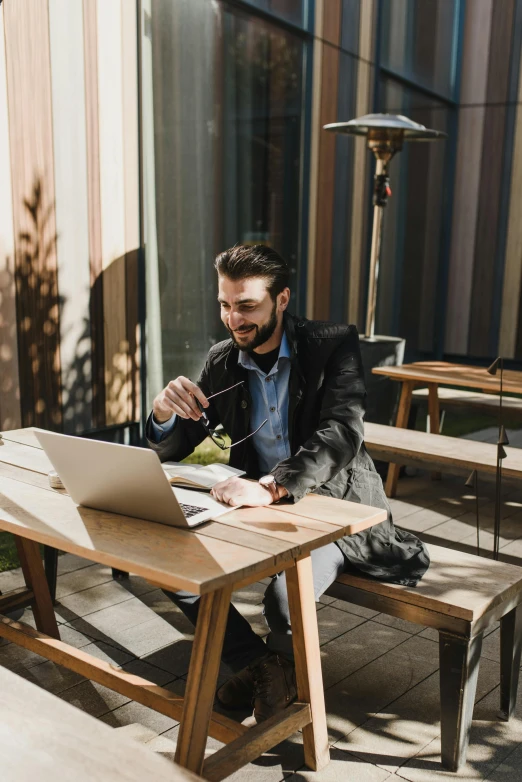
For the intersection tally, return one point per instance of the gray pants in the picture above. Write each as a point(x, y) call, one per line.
point(241, 646)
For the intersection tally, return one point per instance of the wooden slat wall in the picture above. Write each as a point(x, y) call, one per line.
point(72, 219)
point(490, 178)
point(513, 268)
point(10, 417)
point(483, 302)
point(338, 223)
point(69, 223)
point(32, 173)
point(361, 168)
point(90, 27)
point(477, 32)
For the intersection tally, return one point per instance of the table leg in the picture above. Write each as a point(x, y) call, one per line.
point(402, 422)
point(35, 580)
point(305, 635)
point(434, 416)
point(202, 678)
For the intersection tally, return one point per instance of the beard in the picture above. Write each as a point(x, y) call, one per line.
point(260, 334)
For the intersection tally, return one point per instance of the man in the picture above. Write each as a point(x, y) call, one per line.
point(292, 398)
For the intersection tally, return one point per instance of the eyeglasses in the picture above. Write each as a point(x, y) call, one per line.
point(217, 437)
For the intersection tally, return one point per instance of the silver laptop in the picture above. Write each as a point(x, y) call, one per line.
point(123, 479)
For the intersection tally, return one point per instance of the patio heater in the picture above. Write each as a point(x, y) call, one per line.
point(385, 134)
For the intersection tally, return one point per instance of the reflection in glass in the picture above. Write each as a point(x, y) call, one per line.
point(291, 10)
point(224, 141)
point(419, 41)
point(413, 224)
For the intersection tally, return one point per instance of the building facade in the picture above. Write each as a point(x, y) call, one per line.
point(138, 139)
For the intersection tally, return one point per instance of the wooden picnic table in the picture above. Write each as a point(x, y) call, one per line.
point(212, 560)
point(44, 738)
point(432, 374)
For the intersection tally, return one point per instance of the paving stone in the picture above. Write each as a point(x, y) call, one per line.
point(52, 677)
point(423, 520)
point(494, 751)
point(84, 578)
point(453, 530)
point(351, 608)
point(130, 625)
point(137, 732)
point(93, 698)
point(15, 657)
point(355, 699)
point(11, 579)
point(491, 646)
point(343, 766)
point(94, 599)
point(399, 624)
point(510, 770)
point(147, 671)
point(174, 658)
point(332, 623)
point(403, 728)
point(356, 648)
point(74, 638)
point(275, 765)
point(135, 712)
point(69, 562)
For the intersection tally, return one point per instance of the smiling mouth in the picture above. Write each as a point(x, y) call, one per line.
point(244, 331)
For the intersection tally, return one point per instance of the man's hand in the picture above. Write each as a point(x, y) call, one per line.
point(179, 397)
point(238, 491)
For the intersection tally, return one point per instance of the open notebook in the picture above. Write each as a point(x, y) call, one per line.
point(198, 476)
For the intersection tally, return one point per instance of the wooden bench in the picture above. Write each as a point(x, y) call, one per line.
point(461, 596)
point(471, 400)
point(450, 454)
point(45, 738)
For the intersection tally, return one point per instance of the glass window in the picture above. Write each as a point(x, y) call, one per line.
point(414, 222)
point(419, 41)
point(292, 10)
point(222, 130)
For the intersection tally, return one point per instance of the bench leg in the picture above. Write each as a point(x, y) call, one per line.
point(434, 417)
point(459, 666)
point(401, 421)
point(34, 576)
point(510, 649)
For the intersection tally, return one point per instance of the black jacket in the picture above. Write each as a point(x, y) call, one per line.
point(325, 426)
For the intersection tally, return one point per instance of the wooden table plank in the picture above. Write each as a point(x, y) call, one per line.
point(23, 436)
point(177, 558)
point(447, 374)
point(455, 452)
point(45, 738)
point(302, 524)
point(25, 456)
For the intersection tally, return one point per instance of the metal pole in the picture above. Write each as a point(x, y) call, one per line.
point(374, 259)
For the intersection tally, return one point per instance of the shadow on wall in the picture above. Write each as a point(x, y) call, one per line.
point(9, 388)
point(99, 384)
point(38, 315)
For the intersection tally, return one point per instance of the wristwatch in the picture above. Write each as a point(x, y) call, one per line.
point(269, 483)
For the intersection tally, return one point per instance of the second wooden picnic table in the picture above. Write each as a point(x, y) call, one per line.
point(216, 558)
point(432, 374)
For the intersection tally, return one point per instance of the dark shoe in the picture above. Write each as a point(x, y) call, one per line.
point(275, 687)
point(238, 692)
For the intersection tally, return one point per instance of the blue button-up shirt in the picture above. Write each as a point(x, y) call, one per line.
point(269, 393)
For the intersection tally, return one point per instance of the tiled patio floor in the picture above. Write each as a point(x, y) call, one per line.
point(381, 673)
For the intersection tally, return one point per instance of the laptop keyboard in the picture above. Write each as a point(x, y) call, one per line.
point(191, 510)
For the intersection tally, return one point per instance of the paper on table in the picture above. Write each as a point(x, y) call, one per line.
point(199, 476)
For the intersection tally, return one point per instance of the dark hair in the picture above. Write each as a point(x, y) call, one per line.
point(243, 261)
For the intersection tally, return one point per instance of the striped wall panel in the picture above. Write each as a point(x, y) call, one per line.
point(69, 224)
point(9, 381)
point(72, 219)
point(34, 211)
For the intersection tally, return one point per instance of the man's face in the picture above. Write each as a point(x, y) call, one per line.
point(248, 310)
